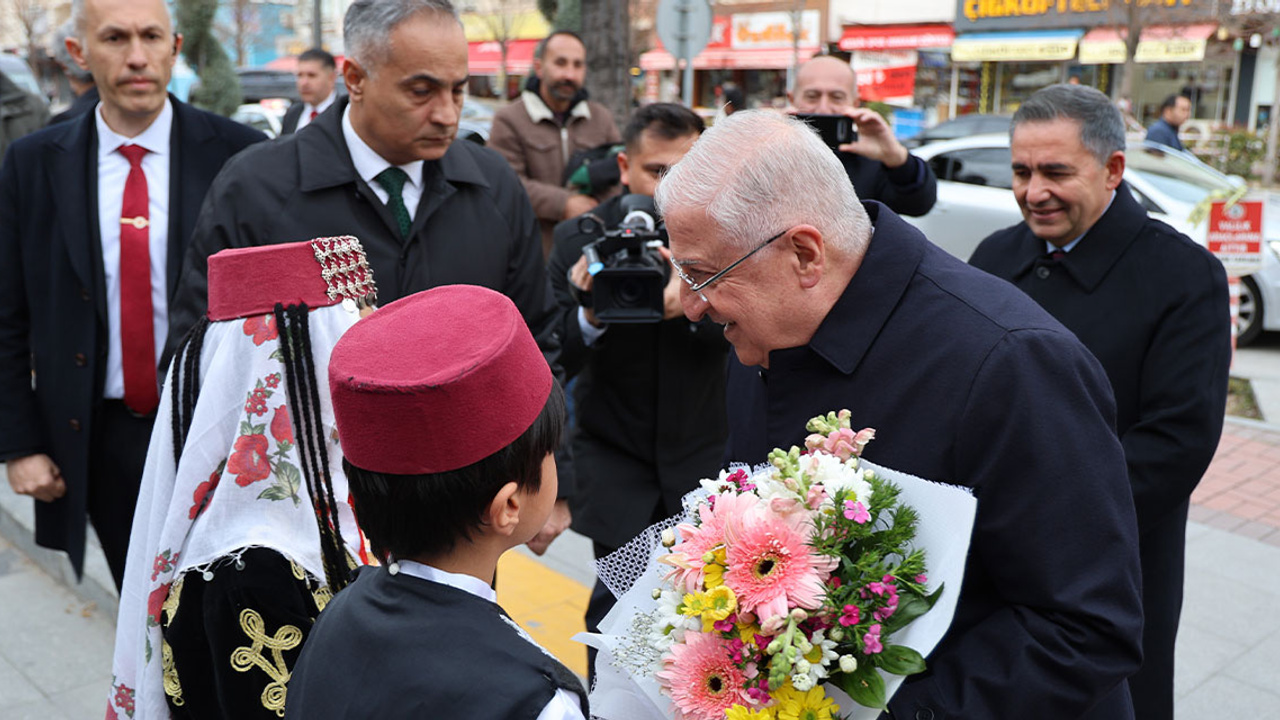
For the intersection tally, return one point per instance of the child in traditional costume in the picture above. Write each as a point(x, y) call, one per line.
point(243, 528)
point(448, 416)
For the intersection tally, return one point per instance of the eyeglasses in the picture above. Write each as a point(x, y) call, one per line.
point(699, 287)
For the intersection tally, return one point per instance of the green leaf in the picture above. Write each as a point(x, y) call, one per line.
point(911, 607)
point(257, 429)
point(276, 355)
point(900, 660)
point(275, 492)
point(283, 447)
point(289, 476)
point(246, 428)
point(864, 685)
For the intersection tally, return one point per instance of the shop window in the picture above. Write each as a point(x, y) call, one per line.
point(989, 167)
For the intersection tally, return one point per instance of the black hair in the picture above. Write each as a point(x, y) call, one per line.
point(318, 55)
point(541, 50)
point(425, 515)
point(293, 330)
point(1172, 101)
point(666, 120)
point(733, 97)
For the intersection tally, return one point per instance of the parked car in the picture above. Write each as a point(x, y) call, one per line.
point(476, 121)
point(975, 198)
point(20, 73)
point(265, 116)
point(257, 83)
point(963, 126)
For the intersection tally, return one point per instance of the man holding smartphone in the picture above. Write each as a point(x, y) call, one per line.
point(879, 167)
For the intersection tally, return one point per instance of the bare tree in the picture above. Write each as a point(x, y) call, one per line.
point(27, 14)
point(242, 28)
point(505, 20)
point(606, 27)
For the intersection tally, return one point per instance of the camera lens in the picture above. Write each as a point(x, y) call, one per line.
point(631, 292)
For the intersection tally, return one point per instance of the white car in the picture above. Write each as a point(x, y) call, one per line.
point(975, 199)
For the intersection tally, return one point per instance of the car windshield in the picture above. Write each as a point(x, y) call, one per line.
point(1174, 174)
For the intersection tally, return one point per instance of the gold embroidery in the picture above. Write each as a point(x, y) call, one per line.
point(298, 572)
point(245, 658)
point(322, 596)
point(169, 609)
point(172, 687)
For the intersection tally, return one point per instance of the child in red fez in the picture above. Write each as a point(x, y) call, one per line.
point(448, 416)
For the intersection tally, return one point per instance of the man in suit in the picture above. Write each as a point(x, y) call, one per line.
point(94, 218)
point(1150, 304)
point(316, 75)
point(830, 303)
point(382, 166)
point(1174, 111)
point(650, 396)
point(879, 167)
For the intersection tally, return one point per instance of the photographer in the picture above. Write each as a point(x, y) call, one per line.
point(649, 395)
point(879, 167)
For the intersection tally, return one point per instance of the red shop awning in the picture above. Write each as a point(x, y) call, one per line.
point(484, 58)
point(896, 37)
point(728, 59)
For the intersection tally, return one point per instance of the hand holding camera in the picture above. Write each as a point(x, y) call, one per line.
point(860, 131)
point(623, 276)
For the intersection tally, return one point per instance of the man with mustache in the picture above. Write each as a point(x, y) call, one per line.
point(1150, 304)
point(381, 164)
point(95, 214)
point(551, 121)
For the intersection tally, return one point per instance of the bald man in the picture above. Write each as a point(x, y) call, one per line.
point(879, 167)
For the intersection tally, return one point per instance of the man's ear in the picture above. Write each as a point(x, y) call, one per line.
point(77, 52)
point(1115, 170)
point(623, 165)
point(354, 76)
point(177, 44)
point(503, 514)
point(809, 250)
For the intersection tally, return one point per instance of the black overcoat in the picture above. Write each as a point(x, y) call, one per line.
point(1152, 306)
point(473, 225)
point(649, 405)
point(969, 382)
point(53, 315)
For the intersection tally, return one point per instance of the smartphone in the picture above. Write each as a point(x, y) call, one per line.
point(836, 130)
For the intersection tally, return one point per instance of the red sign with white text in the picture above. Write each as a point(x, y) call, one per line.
point(1235, 235)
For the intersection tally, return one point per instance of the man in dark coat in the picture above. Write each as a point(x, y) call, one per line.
point(879, 167)
point(965, 380)
point(1150, 304)
point(316, 75)
point(1174, 111)
point(75, 417)
point(650, 396)
point(455, 212)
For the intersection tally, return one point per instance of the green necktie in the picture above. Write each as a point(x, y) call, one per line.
point(392, 180)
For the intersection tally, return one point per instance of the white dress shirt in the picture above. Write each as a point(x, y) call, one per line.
point(564, 704)
point(305, 118)
point(113, 170)
point(369, 164)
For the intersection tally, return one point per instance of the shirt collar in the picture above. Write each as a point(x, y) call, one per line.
point(1050, 247)
point(1099, 248)
point(538, 110)
point(155, 138)
point(466, 583)
point(325, 103)
point(368, 163)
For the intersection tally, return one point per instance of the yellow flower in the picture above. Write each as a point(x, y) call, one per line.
point(713, 605)
point(747, 632)
point(811, 705)
point(713, 571)
point(741, 712)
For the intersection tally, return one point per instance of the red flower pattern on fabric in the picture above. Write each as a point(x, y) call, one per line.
point(273, 380)
point(261, 328)
point(155, 603)
point(256, 403)
point(249, 461)
point(282, 425)
point(200, 498)
point(124, 699)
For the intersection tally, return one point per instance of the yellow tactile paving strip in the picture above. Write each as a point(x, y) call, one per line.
point(546, 604)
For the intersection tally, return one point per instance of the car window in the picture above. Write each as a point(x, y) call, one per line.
point(975, 166)
point(1179, 177)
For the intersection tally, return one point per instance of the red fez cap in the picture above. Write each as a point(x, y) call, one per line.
point(321, 272)
point(436, 381)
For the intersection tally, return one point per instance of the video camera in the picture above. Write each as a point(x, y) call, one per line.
point(628, 273)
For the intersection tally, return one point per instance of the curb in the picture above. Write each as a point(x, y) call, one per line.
point(17, 525)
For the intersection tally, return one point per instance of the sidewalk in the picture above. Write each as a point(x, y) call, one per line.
point(55, 646)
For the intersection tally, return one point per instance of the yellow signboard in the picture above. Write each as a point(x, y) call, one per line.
point(1170, 50)
point(1015, 49)
point(486, 27)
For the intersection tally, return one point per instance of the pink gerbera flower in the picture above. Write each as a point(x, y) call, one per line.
point(697, 540)
point(770, 566)
point(701, 677)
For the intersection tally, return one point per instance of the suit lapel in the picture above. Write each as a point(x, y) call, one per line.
point(72, 176)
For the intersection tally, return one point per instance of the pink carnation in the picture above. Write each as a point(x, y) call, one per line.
point(871, 641)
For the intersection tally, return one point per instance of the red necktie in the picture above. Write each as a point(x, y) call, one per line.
point(137, 329)
point(314, 114)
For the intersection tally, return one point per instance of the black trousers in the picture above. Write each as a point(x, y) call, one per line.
point(117, 455)
point(1162, 551)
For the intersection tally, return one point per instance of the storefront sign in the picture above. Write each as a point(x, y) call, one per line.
point(1235, 235)
point(754, 31)
point(973, 15)
point(896, 37)
point(1020, 47)
point(527, 25)
point(1254, 7)
point(1161, 43)
point(887, 77)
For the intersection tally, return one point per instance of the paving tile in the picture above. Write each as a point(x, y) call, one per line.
point(1259, 666)
point(41, 709)
point(87, 702)
point(1239, 559)
point(14, 686)
point(1225, 697)
point(1219, 607)
point(1200, 655)
point(58, 642)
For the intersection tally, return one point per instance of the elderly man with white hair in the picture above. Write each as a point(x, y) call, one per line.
point(834, 303)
